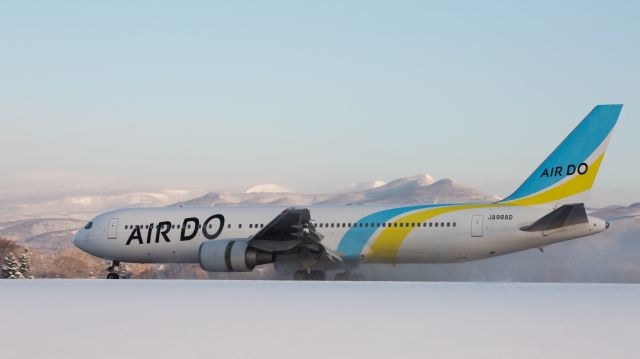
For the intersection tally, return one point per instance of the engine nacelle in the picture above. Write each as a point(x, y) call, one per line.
point(231, 255)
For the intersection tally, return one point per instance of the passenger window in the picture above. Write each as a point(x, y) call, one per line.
point(331, 225)
point(239, 225)
point(454, 224)
point(395, 224)
point(250, 225)
point(448, 224)
point(229, 225)
point(441, 224)
point(436, 224)
point(344, 225)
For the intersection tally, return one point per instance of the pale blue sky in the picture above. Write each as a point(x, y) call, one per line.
point(309, 95)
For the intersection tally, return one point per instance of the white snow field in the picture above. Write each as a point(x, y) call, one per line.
point(263, 319)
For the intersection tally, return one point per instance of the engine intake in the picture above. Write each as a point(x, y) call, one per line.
point(231, 255)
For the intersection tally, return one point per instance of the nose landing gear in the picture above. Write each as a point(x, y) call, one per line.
point(112, 275)
point(112, 270)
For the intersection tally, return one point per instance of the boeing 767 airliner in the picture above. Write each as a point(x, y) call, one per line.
point(547, 208)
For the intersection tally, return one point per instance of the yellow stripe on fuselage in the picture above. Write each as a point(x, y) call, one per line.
point(385, 247)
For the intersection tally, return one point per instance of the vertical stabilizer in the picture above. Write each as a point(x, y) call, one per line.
point(567, 175)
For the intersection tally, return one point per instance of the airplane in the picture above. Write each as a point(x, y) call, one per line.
point(549, 207)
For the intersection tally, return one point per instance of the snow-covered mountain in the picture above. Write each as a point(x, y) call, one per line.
point(44, 234)
point(231, 198)
point(83, 204)
point(27, 228)
point(268, 188)
point(617, 213)
point(417, 189)
point(363, 186)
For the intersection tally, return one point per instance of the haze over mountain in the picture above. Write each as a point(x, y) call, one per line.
point(83, 204)
point(416, 189)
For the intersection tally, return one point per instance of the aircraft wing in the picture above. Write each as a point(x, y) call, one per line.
point(290, 229)
point(566, 215)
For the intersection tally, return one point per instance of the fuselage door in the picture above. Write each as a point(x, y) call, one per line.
point(477, 226)
point(112, 231)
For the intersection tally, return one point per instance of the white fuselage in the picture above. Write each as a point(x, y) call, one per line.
point(408, 234)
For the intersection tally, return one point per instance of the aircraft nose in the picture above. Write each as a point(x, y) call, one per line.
point(78, 239)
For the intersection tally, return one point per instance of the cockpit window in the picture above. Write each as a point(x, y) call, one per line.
point(89, 225)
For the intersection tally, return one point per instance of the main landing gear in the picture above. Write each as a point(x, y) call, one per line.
point(309, 275)
point(112, 270)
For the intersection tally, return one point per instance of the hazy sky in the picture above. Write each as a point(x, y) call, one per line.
point(313, 96)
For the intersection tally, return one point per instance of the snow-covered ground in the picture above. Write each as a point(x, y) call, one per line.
point(262, 319)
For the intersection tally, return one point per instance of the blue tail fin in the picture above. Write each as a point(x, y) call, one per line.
point(567, 175)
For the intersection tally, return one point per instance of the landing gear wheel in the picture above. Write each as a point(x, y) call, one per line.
point(112, 275)
point(112, 270)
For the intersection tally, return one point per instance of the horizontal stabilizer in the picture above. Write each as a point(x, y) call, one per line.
point(566, 215)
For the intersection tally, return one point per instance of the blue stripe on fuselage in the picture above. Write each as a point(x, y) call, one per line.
point(354, 240)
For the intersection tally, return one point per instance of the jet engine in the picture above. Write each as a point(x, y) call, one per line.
point(231, 255)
